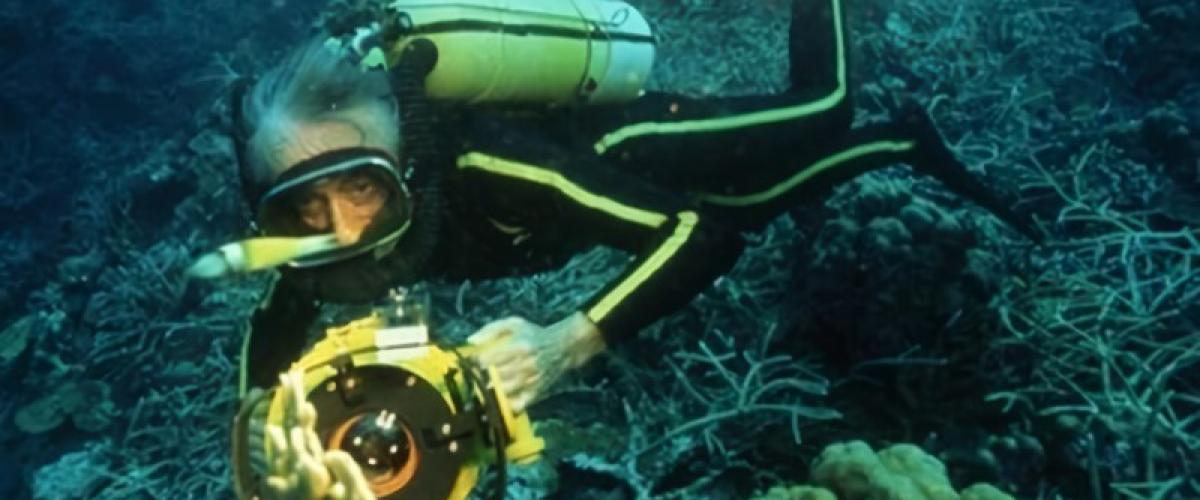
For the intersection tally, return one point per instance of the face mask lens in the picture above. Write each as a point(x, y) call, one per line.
point(369, 185)
point(382, 446)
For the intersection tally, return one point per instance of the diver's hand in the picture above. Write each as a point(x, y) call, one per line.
point(300, 468)
point(529, 358)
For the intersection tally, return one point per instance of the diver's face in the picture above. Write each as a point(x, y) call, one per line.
point(345, 204)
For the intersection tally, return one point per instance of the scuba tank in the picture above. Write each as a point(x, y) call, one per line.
point(553, 52)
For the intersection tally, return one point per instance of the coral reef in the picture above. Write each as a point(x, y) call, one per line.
point(853, 471)
point(906, 253)
point(78, 475)
point(87, 404)
point(1106, 331)
point(894, 312)
point(14, 342)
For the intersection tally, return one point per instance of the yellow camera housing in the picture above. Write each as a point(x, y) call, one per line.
point(384, 369)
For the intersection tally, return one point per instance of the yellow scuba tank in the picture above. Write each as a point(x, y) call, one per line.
point(554, 52)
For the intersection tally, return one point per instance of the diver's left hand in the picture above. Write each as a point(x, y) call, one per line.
point(529, 358)
point(300, 468)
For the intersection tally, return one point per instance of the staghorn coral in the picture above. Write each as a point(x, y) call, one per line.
point(78, 475)
point(1101, 343)
point(85, 403)
point(14, 340)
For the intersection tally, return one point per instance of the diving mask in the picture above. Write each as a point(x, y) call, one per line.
point(287, 239)
point(278, 213)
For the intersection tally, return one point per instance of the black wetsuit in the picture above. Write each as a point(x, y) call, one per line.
point(672, 180)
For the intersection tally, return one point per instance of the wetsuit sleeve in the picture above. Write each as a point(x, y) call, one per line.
point(276, 336)
point(679, 250)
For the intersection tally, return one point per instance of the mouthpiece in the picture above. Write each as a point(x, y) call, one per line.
point(256, 254)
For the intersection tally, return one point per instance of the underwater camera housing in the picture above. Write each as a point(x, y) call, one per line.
point(420, 420)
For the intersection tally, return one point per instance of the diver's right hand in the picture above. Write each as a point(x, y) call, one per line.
point(300, 468)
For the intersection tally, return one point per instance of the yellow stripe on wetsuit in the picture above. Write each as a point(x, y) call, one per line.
point(687, 224)
point(550, 178)
point(823, 104)
point(805, 174)
point(555, 180)
point(244, 368)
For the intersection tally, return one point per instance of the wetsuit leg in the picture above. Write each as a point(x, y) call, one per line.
point(812, 28)
point(689, 143)
point(912, 139)
point(754, 157)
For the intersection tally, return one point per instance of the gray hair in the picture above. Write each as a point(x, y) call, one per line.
point(314, 86)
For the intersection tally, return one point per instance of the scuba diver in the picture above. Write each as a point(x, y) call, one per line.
point(413, 191)
point(390, 140)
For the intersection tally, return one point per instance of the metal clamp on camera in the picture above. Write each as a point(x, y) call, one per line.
point(419, 420)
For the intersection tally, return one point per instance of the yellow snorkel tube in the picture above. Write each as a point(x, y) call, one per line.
point(444, 416)
point(257, 254)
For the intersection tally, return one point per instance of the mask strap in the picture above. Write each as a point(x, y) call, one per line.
point(237, 119)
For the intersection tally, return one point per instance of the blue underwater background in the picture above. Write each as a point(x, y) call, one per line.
point(888, 312)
